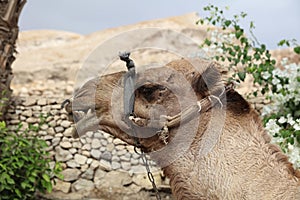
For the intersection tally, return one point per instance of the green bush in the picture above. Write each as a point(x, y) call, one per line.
point(246, 56)
point(24, 165)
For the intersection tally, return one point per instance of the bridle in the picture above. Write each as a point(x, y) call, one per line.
point(165, 123)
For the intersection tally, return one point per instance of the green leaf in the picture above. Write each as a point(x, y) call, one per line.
point(290, 140)
point(256, 56)
point(244, 40)
point(31, 179)
point(237, 27)
point(207, 42)
point(243, 14)
point(281, 42)
point(232, 53)
point(236, 47)
point(242, 75)
point(20, 163)
point(17, 191)
point(236, 61)
point(227, 23)
point(10, 181)
point(49, 187)
point(263, 47)
point(2, 124)
point(273, 62)
point(3, 177)
point(200, 21)
point(297, 50)
point(24, 185)
point(252, 25)
point(60, 176)
point(3, 167)
point(268, 55)
point(46, 177)
point(239, 33)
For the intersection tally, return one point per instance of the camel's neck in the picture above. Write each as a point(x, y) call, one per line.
point(242, 165)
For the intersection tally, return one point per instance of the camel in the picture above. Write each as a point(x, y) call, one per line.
point(206, 137)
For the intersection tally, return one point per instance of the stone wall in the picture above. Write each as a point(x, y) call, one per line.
point(95, 165)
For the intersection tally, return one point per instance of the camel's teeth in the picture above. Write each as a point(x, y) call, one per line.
point(89, 111)
point(78, 114)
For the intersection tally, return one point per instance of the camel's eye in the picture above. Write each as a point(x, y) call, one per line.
point(150, 91)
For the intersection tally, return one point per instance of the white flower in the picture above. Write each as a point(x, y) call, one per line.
point(219, 50)
point(290, 147)
point(294, 154)
point(292, 67)
point(213, 39)
point(279, 99)
point(277, 140)
point(296, 126)
point(279, 87)
point(290, 120)
point(275, 81)
point(219, 44)
point(266, 110)
point(266, 75)
point(213, 47)
point(214, 33)
point(232, 36)
point(206, 49)
point(284, 61)
point(272, 127)
point(282, 120)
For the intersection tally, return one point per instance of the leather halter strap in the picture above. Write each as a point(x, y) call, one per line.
point(129, 85)
point(165, 122)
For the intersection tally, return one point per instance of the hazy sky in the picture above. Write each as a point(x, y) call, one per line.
point(274, 19)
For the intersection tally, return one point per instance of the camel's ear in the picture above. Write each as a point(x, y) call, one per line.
point(205, 82)
point(236, 103)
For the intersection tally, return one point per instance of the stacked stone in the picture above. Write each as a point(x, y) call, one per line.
point(93, 161)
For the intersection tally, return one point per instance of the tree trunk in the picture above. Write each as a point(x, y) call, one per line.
point(9, 14)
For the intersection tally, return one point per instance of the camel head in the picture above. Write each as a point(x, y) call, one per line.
point(168, 101)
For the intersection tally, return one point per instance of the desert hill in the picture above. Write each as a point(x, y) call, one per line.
point(52, 54)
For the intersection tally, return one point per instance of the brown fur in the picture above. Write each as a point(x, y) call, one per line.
point(239, 164)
